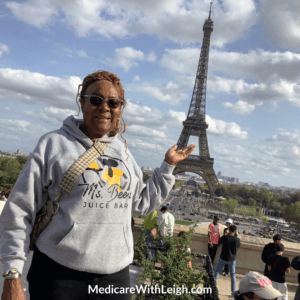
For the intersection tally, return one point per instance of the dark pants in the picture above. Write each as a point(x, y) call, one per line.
point(49, 280)
point(212, 252)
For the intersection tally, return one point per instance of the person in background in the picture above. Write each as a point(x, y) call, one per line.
point(150, 223)
point(213, 238)
point(278, 265)
point(228, 224)
point(3, 198)
point(7, 192)
point(296, 265)
point(255, 286)
point(226, 231)
point(166, 221)
point(268, 250)
point(228, 255)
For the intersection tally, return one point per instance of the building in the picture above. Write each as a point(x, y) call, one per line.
point(263, 184)
point(11, 154)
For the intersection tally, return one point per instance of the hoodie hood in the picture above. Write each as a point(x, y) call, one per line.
point(71, 126)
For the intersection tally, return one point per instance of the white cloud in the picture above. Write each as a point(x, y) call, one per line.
point(127, 58)
point(136, 78)
point(61, 49)
point(281, 22)
point(37, 88)
point(171, 92)
point(225, 129)
point(82, 53)
point(136, 114)
point(51, 115)
point(20, 127)
point(178, 20)
point(151, 57)
point(272, 76)
point(3, 48)
point(7, 108)
point(240, 107)
point(34, 12)
point(285, 137)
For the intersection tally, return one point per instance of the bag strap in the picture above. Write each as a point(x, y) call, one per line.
point(80, 165)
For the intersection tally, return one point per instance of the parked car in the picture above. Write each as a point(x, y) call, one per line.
point(236, 223)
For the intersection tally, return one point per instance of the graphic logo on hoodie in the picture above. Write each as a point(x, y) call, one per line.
point(112, 176)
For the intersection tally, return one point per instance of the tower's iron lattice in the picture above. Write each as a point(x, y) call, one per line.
point(195, 124)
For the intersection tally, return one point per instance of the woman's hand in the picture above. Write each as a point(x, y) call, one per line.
point(13, 289)
point(173, 156)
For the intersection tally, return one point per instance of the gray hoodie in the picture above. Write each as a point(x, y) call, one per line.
point(92, 230)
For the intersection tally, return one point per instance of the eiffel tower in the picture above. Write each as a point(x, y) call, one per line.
point(195, 124)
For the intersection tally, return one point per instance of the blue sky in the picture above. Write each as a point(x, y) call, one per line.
point(48, 46)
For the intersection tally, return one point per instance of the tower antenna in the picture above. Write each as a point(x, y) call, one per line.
point(210, 10)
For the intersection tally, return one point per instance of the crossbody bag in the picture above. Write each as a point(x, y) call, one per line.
point(45, 215)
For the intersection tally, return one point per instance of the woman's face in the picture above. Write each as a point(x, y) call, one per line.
point(98, 120)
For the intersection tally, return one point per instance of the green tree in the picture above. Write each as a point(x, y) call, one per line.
point(265, 220)
point(292, 214)
point(264, 195)
point(178, 184)
point(276, 205)
point(10, 169)
point(230, 205)
point(22, 159)
point(221, 191)
point(247, 211)
point(175, 271)
point(295, 197)
point(251, 202)
point(244, 192)
point(232, 190)
point(204, 188)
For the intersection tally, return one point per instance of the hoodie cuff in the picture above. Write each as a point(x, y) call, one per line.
point(166, 168)
point(13, 264)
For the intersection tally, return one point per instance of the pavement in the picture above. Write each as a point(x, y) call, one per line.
point(223, 285)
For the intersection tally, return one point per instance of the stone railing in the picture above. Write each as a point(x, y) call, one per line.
point(248, 255)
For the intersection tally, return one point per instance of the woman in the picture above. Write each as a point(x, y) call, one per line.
point(89, 241)
point(150, 223)
point(255, 286)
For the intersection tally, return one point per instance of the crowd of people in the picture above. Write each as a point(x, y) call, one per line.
point(254, 285)
point(276, 264)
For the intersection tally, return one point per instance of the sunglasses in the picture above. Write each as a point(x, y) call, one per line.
point(97, 101)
